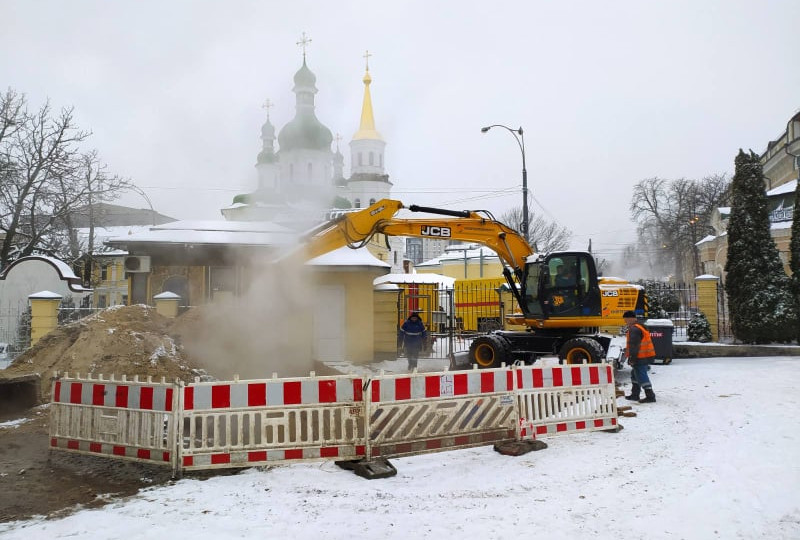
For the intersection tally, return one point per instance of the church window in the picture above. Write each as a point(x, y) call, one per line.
point(360, 159)
point(357, 203)
point(371, 202)
point(372, 158)
point(380, 160)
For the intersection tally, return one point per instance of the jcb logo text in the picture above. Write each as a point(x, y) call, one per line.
point(442, 232)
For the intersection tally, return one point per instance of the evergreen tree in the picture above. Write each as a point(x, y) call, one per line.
point(762, 307)
point(698, 329)
point(794, 257)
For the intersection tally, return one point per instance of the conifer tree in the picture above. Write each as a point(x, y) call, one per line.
point(762, 307)
point(699, 329)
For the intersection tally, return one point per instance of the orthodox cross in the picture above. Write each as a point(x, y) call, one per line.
point(367, 55)
point(304, 41)
point(268, 105)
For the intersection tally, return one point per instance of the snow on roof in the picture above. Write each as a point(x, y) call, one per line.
point(166, 295)
point(788, 187)
point(455, 253)
point(63, 268)
point(103, 234)
point(438, 279)
point(709, 238)
point(781, 225)
point(249, 233)
point(344, 256)
point(219, 225)
point(45, 295)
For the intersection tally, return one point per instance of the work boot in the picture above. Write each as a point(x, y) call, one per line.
point(634, 393)
point(649, 396)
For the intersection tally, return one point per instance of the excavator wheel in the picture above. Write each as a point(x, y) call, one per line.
point(489, 351)
point(580, 351)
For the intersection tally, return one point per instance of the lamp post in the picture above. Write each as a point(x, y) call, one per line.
point(519, 136)
point(146, 198)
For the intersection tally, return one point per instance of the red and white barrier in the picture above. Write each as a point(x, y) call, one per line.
point(246, 423)
point(429, 412)
point(206, 425)
point(565, 399)
point(123, 419)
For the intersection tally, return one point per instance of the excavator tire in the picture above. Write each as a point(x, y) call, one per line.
point(490, 351)
point(580, 351)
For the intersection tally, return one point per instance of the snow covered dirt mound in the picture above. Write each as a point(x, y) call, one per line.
point(122, 340)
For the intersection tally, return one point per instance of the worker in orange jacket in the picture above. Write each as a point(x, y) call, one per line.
point(641, 352)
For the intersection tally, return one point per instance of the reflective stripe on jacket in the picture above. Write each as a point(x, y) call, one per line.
point(646, 347)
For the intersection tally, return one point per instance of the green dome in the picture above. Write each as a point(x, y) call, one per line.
point(304, 77)
point(305, 131)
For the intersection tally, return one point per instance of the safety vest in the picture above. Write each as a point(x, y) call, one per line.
point(646, 347)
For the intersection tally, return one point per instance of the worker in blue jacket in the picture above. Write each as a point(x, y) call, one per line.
point(413, 333)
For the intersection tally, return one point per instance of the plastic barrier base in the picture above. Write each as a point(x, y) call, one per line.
point(371, 470)
point(518, 448)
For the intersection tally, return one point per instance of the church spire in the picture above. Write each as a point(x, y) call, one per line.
point(367, 129)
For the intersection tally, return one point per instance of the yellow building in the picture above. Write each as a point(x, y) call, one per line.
point(780, 162)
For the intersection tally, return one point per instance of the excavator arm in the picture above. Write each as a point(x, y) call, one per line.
point(356, 229)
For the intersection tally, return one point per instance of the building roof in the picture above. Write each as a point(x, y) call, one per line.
point(344, 256)
point(239, 233)
point(788, 187)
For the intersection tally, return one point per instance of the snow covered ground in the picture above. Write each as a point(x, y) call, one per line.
point(717, 457)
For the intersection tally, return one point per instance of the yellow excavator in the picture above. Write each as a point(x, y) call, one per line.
point(563, 301)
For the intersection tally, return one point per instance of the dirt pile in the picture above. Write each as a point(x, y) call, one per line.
point(122, 340)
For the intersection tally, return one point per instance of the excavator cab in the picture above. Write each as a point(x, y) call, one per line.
point(562, 284)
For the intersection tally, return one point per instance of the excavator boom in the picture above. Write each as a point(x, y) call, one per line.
point(355, 229)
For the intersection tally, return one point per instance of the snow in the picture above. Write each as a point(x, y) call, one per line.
point(437, 279)
point(345, 256)
point(788, 187)
point(46, 295)
point(14, 423)
point(715, 457)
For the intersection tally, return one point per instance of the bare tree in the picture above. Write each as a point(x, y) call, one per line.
point(45, 177)
point(672, 216)
point(545, 236)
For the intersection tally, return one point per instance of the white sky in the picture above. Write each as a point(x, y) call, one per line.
point(607, 93)
point(714, 458)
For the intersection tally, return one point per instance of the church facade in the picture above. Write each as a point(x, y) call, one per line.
point(302, 182)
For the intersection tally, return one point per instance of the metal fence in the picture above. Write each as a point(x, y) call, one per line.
point(678, 302)
point(456, 316)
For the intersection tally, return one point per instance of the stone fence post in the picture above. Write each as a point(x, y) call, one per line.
point(167, 304)
point(707, 301)
point(44, 313)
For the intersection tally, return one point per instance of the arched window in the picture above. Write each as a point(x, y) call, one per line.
point(371, 202)
point(360, 159)
point(357, 203)
point(380, 160)
point(372, 158)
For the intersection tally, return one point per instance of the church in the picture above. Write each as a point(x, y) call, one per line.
point(301, 183)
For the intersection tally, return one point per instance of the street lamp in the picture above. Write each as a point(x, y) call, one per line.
point(141, 192)
point(520, 138)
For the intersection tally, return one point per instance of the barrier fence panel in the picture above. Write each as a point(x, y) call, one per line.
point(421, 413)
point(207, 425)
point(565, 399)
point(118, 419)
point(248, 423)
